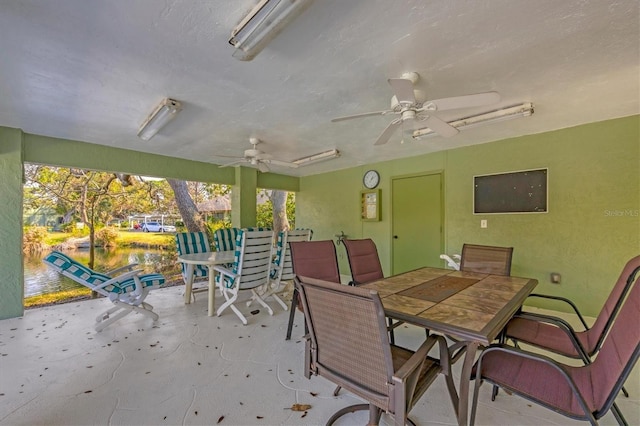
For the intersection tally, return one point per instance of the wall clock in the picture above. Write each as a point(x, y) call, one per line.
point(371, 179)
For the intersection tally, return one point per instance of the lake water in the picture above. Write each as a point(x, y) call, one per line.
point(41, 279)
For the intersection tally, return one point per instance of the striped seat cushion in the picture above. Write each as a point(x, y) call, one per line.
point(147, 280)
point(58, 260)
point(224, 239)
point(193, 242)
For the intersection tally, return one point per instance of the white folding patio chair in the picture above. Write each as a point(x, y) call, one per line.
point(282, 267)
point(249, 271)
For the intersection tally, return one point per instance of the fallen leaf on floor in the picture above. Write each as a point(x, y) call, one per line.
point(259, 417)
point(300, 407)
point(313, 393)
point(304, 415)
point(220, 419)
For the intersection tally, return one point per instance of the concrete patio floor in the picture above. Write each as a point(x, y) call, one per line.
point(192, 369)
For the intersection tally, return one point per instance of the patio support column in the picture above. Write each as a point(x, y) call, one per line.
point(11, 175)
point(243, 197)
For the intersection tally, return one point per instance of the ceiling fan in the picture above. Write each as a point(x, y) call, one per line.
point(411, 105)
point(257, 158)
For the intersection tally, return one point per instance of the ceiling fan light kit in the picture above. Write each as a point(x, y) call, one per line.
point(315, 158)
point(161, 115)
point(262, 24)
point(525, 109)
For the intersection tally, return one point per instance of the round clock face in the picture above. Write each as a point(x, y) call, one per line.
point(371, 179)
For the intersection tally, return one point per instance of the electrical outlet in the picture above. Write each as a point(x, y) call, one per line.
point(483, 223)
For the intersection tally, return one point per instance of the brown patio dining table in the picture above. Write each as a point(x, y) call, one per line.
point(471, 308)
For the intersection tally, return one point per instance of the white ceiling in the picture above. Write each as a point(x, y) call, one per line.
point(93, 71)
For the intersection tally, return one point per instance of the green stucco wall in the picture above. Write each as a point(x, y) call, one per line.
point(11, 284)
point(592, 227)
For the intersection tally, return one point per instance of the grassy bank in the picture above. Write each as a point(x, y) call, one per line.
point(54, 298)
point(125, 239)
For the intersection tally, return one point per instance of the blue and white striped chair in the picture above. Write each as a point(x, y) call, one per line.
point(224, 239)
point(188, 243)
point(126, 291)
point(249, 271)
point(282, 268)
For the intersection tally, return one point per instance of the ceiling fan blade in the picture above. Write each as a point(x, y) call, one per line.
point(388, 131)
point(466, 101)
point(441, 127)
point(263, 167)
point(366, 114)
point(229, 156)
point(403, 89)
point(233, 163)
point(282, 163)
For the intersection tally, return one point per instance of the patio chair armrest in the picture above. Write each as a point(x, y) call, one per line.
point(128, 267)
point(565, 300)
point(119, 278)
point(562, 325)
point(414, 363)
point(224, 272)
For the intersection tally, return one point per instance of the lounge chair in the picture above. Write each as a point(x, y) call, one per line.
point(125, 287)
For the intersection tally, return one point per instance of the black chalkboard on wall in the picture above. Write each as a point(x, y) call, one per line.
point(512, 192)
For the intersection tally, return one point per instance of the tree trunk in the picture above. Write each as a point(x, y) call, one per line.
point(280, 219)
point(191, 217)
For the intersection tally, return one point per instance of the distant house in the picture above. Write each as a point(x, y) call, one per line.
point(219, 207)
point(42, 216)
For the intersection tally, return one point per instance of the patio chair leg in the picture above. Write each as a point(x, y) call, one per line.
point(294, 303)
point(101, 325)
point(280, 301)
point(257, 297)
point(392, 337)
point(618, 415)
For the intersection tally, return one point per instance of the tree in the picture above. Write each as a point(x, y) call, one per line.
point(277, 213)
point(191, 217)
point(88, 193)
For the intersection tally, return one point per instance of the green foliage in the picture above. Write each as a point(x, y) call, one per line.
point(107, 236)
point(264, 212)
point(34, 238)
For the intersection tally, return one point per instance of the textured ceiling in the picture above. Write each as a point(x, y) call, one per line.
point(93, 70)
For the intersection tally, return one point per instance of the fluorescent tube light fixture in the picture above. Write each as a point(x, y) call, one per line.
point(262, 24)
point(502, 114)
point(164, 112)
point(315, 158)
